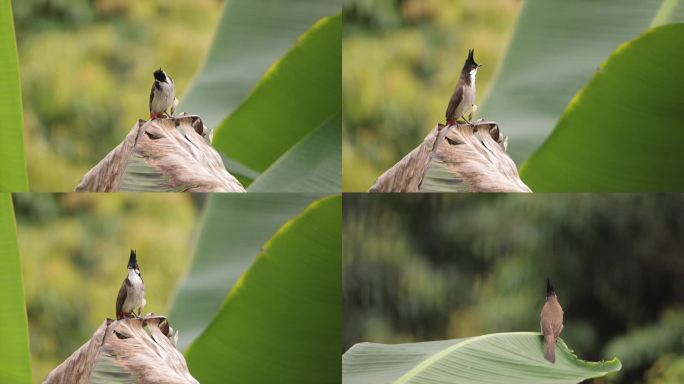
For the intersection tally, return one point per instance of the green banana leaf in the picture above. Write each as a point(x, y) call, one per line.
point(512, 358)
point(298, 94)
point(439, 179)
point(234, 228)
point(281, 322)
point(162, 155)
point(623, 131)
point(251, 35)
point(313, 164)
point(14, 354)
point(556, 48)
point(12, 164)
point(670, 11)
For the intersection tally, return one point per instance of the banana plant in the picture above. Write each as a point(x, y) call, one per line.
point(14, 355)
point(12, 164)
point(270, 89)
point(264, 282)
point(515, 358)
point(562, 95)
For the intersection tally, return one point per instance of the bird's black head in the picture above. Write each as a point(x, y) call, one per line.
point(159, 75)
point(470, 63)
point(133, 261)
point(549, 288)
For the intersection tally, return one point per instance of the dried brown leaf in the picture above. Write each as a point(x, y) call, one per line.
point(128, 350)
point(408, 173)
point(162, 155)
point(473, 156)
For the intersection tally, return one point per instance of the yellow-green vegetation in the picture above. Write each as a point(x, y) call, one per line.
point(74, 250)
point(86, 72)
point(401, 61)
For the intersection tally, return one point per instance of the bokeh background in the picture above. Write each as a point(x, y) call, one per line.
point(441, 266)
point(86, 72)
point(75, 249)
point(401, 61)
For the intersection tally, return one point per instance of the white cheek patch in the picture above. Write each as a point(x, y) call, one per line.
point(473, 72)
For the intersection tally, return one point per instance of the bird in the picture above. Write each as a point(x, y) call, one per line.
point(463, 98)
point(551, 322)
point(132, 292)
point(162, 95)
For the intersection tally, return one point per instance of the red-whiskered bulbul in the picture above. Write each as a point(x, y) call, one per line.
point(132, 292)
point(162, 95)
point(463, 98)
point(551, 322)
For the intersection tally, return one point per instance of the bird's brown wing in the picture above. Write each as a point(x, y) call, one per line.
point(557, 325)
point(152, 96)
point(121, 297)
point(453, 103)
point(551, 320)
point(546, 327)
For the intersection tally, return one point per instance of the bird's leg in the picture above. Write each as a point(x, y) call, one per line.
point(473, 109)
point(174, 105)
point(466, 120)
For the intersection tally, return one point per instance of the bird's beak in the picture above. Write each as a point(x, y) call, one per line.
point(479, 65)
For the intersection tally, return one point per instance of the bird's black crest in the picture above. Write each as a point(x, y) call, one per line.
point(470, 61)
point(549, 288)
point(133, 260)
point(159, 75)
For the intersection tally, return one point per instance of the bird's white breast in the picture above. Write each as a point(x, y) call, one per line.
point(468, 98)
point(163, 98)
point(135, 293)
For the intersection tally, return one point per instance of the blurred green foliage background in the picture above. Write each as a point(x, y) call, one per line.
point(74, 250)
point(401, 61)
point(86, 71)
point(431, 267)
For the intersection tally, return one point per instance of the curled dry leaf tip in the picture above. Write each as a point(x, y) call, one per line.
point(467, 158)
point(169, 154)
point(129, 350)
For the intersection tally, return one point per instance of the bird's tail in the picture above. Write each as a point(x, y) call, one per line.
point(550, 349)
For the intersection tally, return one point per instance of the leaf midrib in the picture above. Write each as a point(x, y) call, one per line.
point(446, 351)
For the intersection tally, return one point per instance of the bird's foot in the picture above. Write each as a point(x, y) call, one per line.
point(174, 105)
point(124, 315)
point(162, 115)
point(473, 109)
